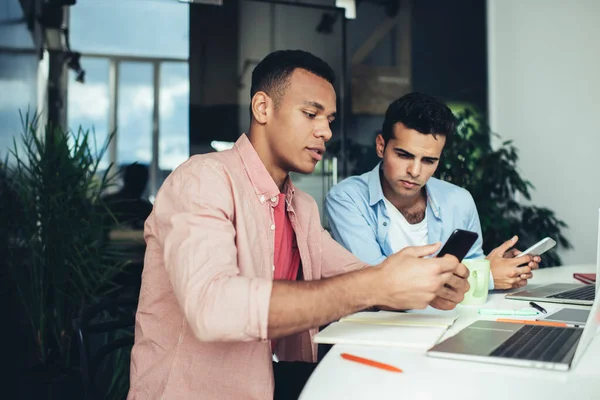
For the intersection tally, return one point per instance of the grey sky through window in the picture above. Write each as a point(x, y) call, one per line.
point(145, 32)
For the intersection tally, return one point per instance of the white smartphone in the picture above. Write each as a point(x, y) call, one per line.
point(539, 248)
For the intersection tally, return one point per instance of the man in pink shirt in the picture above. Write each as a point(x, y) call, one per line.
point(238, 267)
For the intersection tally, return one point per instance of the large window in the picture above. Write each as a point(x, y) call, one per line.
point(18, 74)
point(88, 104)
point(136, 82)
point(146, 28)
point(174, 115)
point(134, 116)
point(18, 77)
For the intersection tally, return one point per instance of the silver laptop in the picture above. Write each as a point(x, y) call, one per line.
point(533, 346)
point(564, 293)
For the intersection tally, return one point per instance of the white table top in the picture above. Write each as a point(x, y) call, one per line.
point(433, 378)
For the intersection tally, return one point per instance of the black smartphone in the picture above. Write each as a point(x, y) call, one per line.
point(458, 244)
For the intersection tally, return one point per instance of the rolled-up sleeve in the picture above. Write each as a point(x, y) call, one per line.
point(194, 214)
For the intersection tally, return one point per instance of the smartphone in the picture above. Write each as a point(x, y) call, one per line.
point(459, 243)
point(539, 248)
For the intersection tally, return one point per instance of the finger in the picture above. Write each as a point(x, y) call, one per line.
point(518, 261)
point(526, 276)
point(462, 271)
point(512, 253)
point(456, 283)
point(533, 265)
point(421, 251)
point(445, 277)
point(445, 293)
point(450, 295)
point(442, 304)
point(521, 270)
point(519, 284)
point(503, 248)
point(537, 259)
point(448, 263)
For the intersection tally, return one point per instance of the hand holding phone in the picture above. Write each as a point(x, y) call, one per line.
point(458, 244)
point(539, 248)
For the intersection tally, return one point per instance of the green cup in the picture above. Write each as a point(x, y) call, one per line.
point(479, 279)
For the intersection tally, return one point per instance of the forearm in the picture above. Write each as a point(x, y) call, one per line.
point(299, 306)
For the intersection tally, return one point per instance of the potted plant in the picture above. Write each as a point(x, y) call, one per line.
point(502, 196)
point(56, 256)
point(491, 175)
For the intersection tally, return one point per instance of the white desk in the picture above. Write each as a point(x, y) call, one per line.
point(430, 378)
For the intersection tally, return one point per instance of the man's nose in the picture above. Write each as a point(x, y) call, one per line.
point(414, 169)
point(324, 132)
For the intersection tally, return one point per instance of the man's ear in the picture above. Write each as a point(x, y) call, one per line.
point(380, 145)
point(260, 106)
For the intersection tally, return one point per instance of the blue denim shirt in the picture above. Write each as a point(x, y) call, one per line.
point(359, 220)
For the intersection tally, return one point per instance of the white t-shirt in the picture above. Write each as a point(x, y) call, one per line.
point(402, 234)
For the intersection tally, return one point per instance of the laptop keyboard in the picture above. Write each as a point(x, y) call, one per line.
point(587, 292)
point(539, 343)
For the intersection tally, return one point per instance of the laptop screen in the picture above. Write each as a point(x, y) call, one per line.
point(592, 326)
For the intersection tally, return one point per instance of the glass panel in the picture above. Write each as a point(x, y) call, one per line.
point(134, 113)
point(297, 28)
point(152, 28)
point(18, 89)
point(13, 28)
point(174, 103)
point(88, 103)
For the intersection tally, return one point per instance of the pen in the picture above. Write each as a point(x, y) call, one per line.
point(538, 307)
point(370, 363)
point(526, 322)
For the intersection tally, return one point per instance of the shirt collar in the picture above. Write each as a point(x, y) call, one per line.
point(374, 182)
point(432, 198)
point(264, 185)
point(376, 191)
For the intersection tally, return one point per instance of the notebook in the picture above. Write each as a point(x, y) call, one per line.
point(387, 328)
point(380, 335)
point(400, 318)
point(585, 278)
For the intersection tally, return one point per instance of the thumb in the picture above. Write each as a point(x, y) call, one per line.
point(503, 248)
point(421, 251)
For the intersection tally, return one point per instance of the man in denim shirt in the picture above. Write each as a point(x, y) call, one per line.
point(400, 204)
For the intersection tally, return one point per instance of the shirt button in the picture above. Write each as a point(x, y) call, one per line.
point(273, 199)
point(272, 227)
point(385, 224)
point(262, 199)
point(273, 268)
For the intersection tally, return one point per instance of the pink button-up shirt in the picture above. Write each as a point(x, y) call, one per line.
point(201, 323)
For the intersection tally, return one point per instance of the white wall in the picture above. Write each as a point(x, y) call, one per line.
point(544, 93)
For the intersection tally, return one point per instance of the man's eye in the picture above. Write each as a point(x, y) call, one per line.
point(310, 115)
point(426, 161)
point(406, 156)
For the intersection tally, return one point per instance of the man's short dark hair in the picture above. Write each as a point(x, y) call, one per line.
point(420, 112)
point(272, 74)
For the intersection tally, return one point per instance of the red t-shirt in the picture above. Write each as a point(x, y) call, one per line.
point(287, 255)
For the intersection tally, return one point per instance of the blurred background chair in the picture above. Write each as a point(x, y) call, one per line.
point(105, 336)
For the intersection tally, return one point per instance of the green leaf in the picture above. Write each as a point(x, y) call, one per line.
point(54, 230)
point(494, 183)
